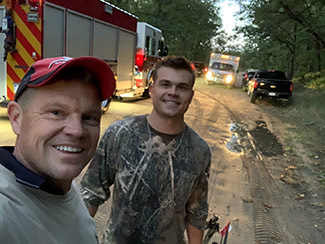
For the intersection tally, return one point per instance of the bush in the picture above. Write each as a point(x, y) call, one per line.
point(313, 80)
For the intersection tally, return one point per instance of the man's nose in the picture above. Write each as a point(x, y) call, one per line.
point(173, 90)
point(74, 126)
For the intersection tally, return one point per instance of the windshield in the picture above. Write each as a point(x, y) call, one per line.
point(222, 66)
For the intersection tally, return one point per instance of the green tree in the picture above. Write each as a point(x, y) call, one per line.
point(286, 34)
point(188, 26)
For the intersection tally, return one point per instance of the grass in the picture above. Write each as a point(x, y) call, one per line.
point(305, 116)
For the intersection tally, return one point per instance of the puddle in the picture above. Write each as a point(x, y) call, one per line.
point(265, 142)
point(260, 138)
point(235, 142)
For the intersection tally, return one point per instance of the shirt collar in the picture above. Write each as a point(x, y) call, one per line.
point(24, 175)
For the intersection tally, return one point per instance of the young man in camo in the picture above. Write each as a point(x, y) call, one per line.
point(158, 165)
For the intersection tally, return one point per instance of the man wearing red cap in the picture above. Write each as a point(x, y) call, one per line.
point(56, 117)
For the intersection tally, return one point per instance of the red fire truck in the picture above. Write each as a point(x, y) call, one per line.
point(47, 28)
point(150, 48)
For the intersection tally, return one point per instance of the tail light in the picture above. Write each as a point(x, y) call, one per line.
point(255, 84)
point(206, 69)
point(291, 87)
point(34, 2)
point(139, 59)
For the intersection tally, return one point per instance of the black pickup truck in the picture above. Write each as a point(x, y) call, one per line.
point(269, 83)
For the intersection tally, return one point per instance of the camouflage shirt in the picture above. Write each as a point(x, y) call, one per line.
point(158, 188)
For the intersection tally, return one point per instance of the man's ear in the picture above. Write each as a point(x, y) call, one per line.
point(15, 114)
point(150, 88)
point(192, 95)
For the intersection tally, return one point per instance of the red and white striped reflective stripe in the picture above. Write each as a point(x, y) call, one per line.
point(28, 45)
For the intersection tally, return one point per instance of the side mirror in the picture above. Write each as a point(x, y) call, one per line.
point(4, 24)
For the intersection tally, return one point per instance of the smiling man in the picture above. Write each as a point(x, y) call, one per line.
point(56, 117)
point(159, 167)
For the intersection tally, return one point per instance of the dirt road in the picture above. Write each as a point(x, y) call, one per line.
point(260, 180)
point(255, 182)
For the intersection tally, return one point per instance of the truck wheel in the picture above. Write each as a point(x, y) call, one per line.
point(105, 105)
point(252, 97)
point(248, 92)
point(289, 100)
point(243, 87)
point(146, 93)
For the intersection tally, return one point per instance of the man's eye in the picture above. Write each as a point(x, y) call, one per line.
point(87, 117)
point(183, 87)
point(91, 118)
point(55, 112)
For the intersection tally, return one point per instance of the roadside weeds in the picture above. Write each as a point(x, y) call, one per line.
point(305, 124)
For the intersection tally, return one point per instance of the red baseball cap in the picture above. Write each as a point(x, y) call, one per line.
point(43, 71)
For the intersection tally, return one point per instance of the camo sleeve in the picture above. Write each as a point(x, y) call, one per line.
point(197, 206)
point(101, 171)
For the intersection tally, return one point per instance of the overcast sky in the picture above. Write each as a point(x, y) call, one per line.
point(228, 9)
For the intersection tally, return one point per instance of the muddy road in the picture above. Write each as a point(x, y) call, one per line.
point(255, 182)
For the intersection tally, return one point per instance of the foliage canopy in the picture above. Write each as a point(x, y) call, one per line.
point(188, 26)
point(284, 34)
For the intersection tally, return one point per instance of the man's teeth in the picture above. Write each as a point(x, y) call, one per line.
point(68, 149)
point(168, 101)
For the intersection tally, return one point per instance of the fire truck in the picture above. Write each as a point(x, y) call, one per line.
point(48, 28)
point(150, 48)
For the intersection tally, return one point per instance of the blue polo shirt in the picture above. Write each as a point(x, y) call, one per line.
point(24, 175)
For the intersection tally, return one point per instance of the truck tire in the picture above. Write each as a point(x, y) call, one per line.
point(146, 93)
point(248, 92)
point(252, 97)
point(105, 104)
point(243, 87)
point(289, 101)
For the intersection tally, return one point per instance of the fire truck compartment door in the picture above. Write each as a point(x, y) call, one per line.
point(125, 59)
point(78, 35)
point(54, 20)
point(105, 41)
point(3, 72)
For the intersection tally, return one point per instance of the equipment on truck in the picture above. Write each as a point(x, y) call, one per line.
point(222, 69)
point(48, 28)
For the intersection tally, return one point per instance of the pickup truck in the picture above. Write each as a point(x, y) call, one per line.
point(269, 83)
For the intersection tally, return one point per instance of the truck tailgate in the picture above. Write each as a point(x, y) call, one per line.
point(275, 85)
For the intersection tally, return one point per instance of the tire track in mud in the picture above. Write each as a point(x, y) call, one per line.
point(266, 227)
point(204, 124)
point(233, 116)
point(203, 127)
point(198, 113)
point(267, 217)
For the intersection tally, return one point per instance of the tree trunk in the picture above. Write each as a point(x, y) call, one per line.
point(319, 63)
point(292, 50)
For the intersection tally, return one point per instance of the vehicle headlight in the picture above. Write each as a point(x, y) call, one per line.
point(229, 78)
point(209, 75)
